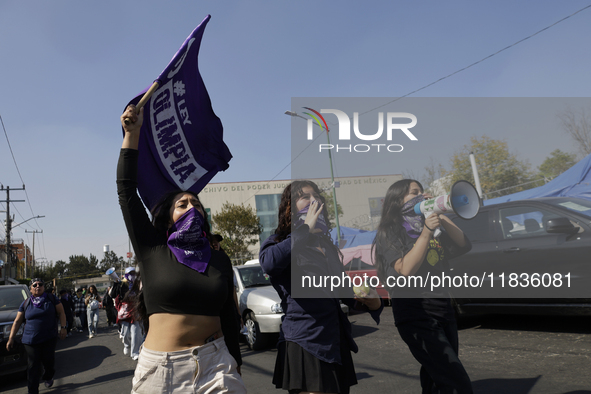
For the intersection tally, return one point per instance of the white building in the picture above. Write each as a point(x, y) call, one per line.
point(360, 198)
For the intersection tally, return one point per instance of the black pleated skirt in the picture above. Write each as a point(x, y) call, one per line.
point(297, 370)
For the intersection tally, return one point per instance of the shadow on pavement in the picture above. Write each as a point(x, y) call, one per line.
point(80, 387)
point(563, 324)
point(78, 360)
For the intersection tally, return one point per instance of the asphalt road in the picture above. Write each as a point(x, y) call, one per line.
point(502, 354)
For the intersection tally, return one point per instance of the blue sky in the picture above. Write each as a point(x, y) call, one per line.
point(69, 68)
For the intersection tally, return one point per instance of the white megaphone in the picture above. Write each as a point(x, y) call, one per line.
point(111, 272)
point(463, 200)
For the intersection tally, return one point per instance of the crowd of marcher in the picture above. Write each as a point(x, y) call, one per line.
point(182, 315)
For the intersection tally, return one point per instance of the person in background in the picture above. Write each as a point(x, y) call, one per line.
point(80, 309)
point(42, 312)
point(405, 245)
point(67, 305)
point(92, 301)
point(131, 330)
point(109, 306)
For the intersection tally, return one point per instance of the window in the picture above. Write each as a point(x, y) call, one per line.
point(524, 221)
point(267, 206)
point(476, 229)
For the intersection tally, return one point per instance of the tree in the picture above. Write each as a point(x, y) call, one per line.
point(499, 170)
point(239, 226)
point(556, 164)
point(578, 126)
point(110, 259)
point(329, 201)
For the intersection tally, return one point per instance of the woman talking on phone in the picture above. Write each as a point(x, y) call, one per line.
point(405, 246)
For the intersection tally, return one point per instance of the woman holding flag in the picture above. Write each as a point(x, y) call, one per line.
point(192, 341)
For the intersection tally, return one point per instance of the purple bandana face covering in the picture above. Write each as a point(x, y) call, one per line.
point(130, 279)
point(38, 301)
point(413, 223)
point(187, 241)
point(320, 223)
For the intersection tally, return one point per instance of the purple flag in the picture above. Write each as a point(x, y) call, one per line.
point(181, 145)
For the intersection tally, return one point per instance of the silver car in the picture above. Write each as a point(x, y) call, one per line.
point(259, 303)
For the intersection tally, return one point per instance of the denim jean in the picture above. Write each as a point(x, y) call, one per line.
point(93, 318)
point(434, 344)
point(132, 337)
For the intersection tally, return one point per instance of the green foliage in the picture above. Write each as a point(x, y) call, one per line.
point(330, 208)
point(556, 164)
point(110, 259)
point(239, 226)
point(79, 266)
point(499, 170)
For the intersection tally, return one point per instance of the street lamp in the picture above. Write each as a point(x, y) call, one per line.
point(334, 193)
point(34, 217)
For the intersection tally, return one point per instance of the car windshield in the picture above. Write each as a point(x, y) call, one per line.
point(11, 297)
point(577, 205)
point(253, 276)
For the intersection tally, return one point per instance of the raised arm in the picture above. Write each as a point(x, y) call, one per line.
point(131, 138)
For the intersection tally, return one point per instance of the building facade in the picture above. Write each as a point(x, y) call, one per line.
point(360, 199)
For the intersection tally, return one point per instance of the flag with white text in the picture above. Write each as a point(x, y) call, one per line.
point(181, 145)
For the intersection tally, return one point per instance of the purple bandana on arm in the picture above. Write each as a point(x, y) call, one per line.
point(188, 243)
point(412, 222)
point(39, 301)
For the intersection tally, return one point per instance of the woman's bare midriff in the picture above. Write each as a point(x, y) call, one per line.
point(171, 332)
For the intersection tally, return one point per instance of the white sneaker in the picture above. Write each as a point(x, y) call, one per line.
point(134, 358)
point(126, 351)
point(91, 335)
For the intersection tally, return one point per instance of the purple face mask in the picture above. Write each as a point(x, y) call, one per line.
point(413, 223)
point(39, 301)
point(320, 223)
point(188, 242)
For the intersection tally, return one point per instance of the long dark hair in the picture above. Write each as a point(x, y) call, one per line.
point(161, 213)
point(289, 197)
point(390, 233)
point(135, 297)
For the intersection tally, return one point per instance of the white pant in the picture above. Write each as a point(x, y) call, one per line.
point(206, 369)
point(132, 337)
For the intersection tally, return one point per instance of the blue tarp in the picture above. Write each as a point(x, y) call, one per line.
point(574, 182)
point(353, 237)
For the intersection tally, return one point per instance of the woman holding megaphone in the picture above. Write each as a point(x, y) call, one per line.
point(405, 247)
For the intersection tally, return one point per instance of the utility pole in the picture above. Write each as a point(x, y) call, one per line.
point(8, 230)
point(33, 265)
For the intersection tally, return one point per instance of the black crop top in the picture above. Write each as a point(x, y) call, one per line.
point(169, 286)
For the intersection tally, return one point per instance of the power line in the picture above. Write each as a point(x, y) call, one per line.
point(481, 60)
point(19, 173)
point(441, 79)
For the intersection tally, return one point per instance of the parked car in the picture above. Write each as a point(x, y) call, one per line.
point(539, 238)
point(14, 361)
point(259, 304)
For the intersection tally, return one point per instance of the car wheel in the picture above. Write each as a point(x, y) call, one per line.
point(254, 338)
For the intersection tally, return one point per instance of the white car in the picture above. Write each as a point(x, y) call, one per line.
point(259, 303)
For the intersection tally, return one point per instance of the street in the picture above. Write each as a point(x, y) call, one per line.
point(502, 354)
